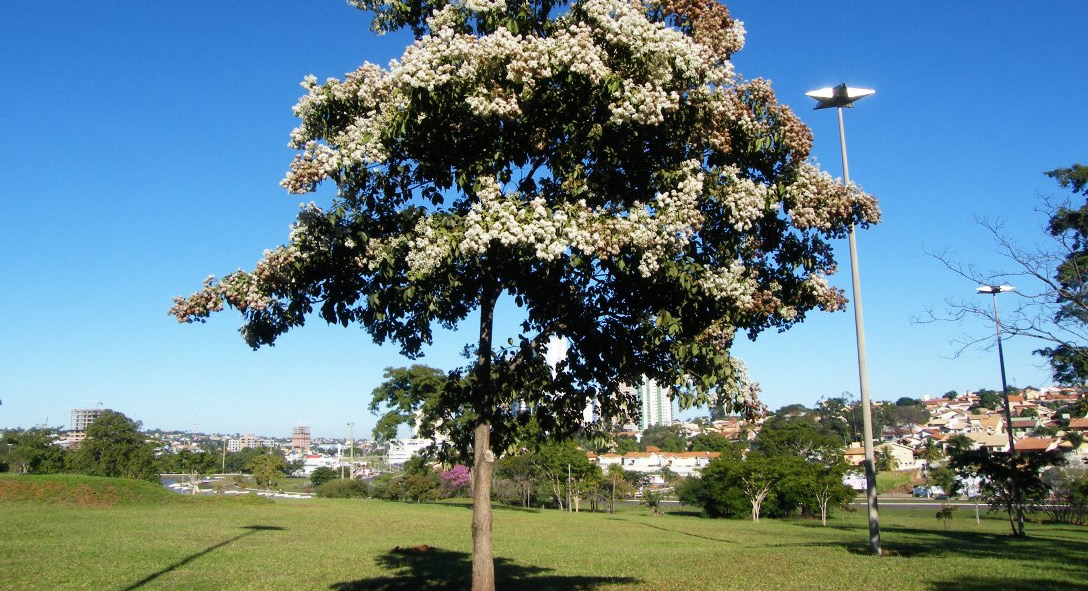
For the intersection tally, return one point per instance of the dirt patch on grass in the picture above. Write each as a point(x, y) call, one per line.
point(58, 492)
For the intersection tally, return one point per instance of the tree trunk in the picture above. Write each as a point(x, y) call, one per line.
point(483, 562)
point(612, 506)
point(557, 489)
point(823, 498)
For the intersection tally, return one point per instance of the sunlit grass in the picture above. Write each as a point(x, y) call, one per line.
point(348, 545)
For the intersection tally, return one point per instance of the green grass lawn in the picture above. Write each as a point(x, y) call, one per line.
point(150, 541)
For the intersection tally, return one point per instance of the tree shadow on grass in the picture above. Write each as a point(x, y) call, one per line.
point(436, 569)
point(1042, 549)
point(982, 583)
point(686, 533)
point(494, 507)
point(1060, 555)
point(252, 530)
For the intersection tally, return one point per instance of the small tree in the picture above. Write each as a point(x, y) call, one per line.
point(989, 399)
point(757, 477)
point(998, 471)
point(1075, 439)
point(195, 465)
point(321, 475)
point(267, 470)
point(652, 499)
point(617, 478)
point(455, 481)
point(945, 478)
point(828, 490)
point(522, 471)
point(931, 452)
point(945, 514)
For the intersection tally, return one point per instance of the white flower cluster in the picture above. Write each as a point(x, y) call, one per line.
point(730, 282)
point(815, 200)
point(670, 66)
point(748, 200)
point(734, 35)
point(829, 298)
point(427, 248)
point(670, 60)
point(379, 250)
point(499, 104)
point(485, 5)
point(744, 390)
point(643, 103)
point(506, 219)
point(513, 220)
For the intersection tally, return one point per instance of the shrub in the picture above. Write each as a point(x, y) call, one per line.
point(343, 489)
point(321, 475)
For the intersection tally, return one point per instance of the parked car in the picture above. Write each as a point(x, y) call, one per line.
point(934, 492)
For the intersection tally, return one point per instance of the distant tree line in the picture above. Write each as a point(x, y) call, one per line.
point(114, 446)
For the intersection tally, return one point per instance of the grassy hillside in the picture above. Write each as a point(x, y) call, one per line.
point(368, 545)
point(96, 492)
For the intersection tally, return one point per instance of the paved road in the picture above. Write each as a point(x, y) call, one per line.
point(907, 503)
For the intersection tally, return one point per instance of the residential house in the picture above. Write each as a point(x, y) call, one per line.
point(855, 454)
point(904, 455)
point(993, 441)
point(1079, 425)
point(685, 464)
point(1036, 444)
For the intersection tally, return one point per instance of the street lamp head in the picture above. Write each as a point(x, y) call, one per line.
point(994, 289)
point(838, 96)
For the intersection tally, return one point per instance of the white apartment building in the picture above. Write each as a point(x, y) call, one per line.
point(401, 450)
point(655, 405)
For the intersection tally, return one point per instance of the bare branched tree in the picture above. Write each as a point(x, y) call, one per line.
point(1051, 279)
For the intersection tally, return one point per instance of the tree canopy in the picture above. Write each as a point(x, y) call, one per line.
point(598, 162)
point(114, 446)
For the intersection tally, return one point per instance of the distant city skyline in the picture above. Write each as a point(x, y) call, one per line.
point(146, 144)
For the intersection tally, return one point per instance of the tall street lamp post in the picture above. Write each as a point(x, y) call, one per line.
point(839, 97)
point(993, 290)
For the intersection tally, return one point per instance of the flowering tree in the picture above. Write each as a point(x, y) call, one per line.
point(455, 480)
point(597, 161)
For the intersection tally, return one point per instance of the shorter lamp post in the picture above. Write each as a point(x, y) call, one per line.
point(351, 442)
point(993, 290)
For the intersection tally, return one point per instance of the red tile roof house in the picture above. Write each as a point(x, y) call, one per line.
point(1036, 444)
point(1079, 424)
point(1024, 425)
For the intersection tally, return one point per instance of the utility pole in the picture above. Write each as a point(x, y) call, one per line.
point(351, 442)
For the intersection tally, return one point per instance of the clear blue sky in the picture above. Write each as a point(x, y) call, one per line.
point(143, 143)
